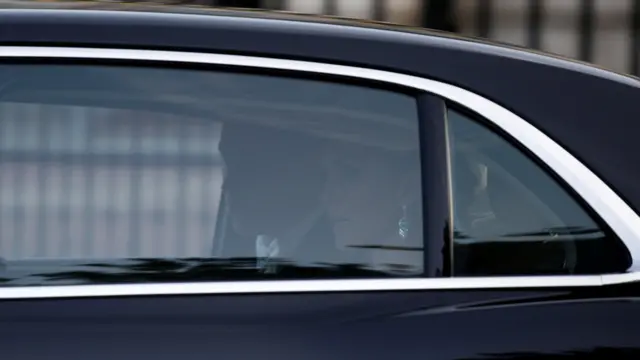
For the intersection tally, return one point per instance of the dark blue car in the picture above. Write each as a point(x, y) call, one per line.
point(192, 183)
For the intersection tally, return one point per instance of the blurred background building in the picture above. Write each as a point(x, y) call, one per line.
point(605, 32)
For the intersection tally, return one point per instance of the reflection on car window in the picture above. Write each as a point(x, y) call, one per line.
point(117, 174)
point(512, 218)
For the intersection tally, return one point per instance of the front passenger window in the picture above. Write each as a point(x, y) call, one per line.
point(511, 217)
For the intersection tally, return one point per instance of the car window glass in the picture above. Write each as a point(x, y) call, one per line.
point(132, 174)
point(511, 217)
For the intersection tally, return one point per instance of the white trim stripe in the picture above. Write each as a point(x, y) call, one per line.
point(297, 286)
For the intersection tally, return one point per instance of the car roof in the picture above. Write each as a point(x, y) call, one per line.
point(589, 110)
point(138, 12)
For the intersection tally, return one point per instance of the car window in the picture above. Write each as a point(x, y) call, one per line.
point(115, 174)
point(512, 217)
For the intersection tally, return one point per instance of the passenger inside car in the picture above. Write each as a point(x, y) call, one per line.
point(504, 225)
point(373, 202)
point(273, 185)
point(311, 201)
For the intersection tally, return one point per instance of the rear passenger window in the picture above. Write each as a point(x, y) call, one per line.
point(511, 217)
point(114, 174)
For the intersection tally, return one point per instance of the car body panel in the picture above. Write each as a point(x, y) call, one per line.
point(533, 325)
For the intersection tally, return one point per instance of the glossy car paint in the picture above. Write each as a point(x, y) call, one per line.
point(559, 323)
point(431, 325)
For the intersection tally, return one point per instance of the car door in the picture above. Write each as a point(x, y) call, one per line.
point(172, 204)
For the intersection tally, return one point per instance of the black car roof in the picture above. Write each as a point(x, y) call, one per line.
point(589, 110)
point(142, 14)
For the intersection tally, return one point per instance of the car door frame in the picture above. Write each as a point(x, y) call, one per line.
point(614, 211)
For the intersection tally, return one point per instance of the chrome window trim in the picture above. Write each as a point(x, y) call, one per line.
point(312, 286)
point(296, 286)
point(620, 217)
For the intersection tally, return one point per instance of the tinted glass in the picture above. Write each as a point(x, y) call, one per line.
point(513, 218)
point(132, 174)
